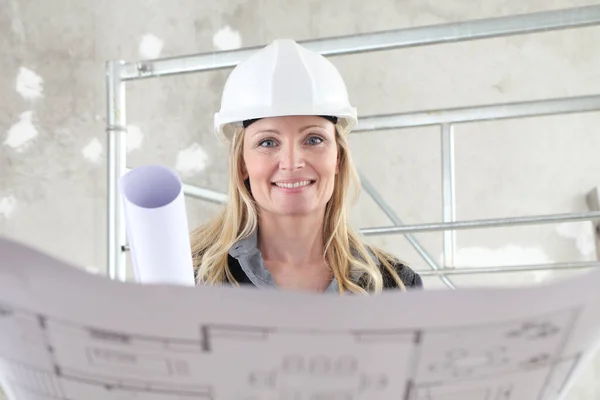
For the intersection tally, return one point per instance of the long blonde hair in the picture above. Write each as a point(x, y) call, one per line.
point(344, 251)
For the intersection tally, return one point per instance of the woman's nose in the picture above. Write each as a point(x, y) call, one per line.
point(291, 157)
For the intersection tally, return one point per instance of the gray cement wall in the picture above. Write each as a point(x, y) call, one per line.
point(52, 121)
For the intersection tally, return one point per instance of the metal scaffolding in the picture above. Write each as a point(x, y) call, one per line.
point(119, 72)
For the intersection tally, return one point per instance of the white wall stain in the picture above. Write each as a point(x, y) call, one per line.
point(582, 233)
point(191, 160)
point(22, 133)
point(507, 255)
point(93, 150)
point(7, 206)
point(504, 256)
point(150, 47)
point(227, 38)
point(134, 137)
point(29, 84)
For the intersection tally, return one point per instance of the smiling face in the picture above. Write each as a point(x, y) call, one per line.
point(291, 163)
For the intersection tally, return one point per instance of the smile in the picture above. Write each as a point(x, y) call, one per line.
point(292, 185)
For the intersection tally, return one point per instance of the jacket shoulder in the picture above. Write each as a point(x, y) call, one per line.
point(408, 276)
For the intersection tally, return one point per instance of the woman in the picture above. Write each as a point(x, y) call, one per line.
point(285, 115)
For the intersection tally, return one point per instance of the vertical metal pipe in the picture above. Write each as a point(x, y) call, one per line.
point(391, 214)
point(448, 192)
point(116, 167)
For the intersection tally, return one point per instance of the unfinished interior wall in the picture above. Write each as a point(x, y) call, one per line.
point(53, 141)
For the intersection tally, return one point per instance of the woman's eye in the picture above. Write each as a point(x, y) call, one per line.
point(266, 143)
point(314, 140)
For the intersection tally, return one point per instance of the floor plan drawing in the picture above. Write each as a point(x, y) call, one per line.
point(490, 362)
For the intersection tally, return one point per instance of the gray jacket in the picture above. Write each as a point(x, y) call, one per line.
point(247, 266)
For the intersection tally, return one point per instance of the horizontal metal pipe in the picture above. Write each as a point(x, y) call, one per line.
point(480, 113)
point(482, 223)
point(378, 41)
point(510, 268)
point(204, 194)
point(391, 214)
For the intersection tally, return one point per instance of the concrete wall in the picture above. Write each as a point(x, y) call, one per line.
point(52, 121)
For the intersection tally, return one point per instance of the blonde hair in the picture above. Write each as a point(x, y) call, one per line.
point(344, 251)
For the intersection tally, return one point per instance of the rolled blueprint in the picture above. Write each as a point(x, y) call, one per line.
point(157, 227)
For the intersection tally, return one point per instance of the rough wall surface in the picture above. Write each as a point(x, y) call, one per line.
point(53, 106)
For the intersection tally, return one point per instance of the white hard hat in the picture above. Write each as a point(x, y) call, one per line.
point(281, 79)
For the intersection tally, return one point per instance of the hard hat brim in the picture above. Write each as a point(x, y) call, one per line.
point(226, 126)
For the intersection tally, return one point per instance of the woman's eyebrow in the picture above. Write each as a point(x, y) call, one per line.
point(266, 131)
point(312, 126)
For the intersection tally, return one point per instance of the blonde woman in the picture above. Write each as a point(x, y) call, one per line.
point(285, 115)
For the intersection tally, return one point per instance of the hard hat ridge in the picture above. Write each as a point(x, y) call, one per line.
point(282, 79)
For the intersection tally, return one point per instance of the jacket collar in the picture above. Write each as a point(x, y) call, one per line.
point(248, 254)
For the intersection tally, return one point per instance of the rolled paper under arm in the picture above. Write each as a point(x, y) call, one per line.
point(157, 227)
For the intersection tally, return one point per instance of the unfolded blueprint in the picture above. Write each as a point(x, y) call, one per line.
point(67, 334)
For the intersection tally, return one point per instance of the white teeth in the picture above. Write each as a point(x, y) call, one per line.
point(292, 185)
